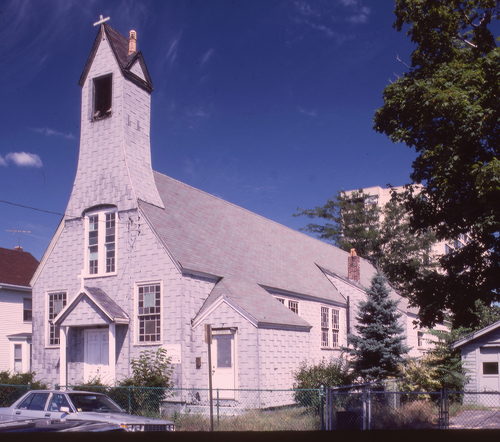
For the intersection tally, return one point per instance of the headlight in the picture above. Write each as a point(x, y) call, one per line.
point(133, 427)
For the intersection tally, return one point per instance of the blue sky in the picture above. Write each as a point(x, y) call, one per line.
point(267, 104)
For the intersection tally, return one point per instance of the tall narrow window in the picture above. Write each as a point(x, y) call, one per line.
point(420, 337)
point(27, 310)
point(325, 329)
point(57, 301)
point(18, 358)
point(149, 313)
point(335, 327)
point(110, 242)
point(103, 88)
point(101, 242)
point(93, 244)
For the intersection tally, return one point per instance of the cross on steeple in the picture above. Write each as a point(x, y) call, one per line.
point(101, 20)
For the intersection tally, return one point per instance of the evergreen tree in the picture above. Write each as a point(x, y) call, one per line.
point(379, 347)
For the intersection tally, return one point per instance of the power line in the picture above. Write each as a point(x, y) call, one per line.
point(31, 208)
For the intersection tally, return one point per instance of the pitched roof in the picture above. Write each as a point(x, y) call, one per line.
point(16, 267)
point(103, 302)
point(119, 46)
point(206, 234)
point(475, 335)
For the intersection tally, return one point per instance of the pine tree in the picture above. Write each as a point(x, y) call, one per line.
point(379, 347)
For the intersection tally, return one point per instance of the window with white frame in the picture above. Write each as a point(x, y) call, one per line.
point(57, 301)
point(420, 338)
point(18, 358)
point(330, 327)
point(27, 310)
point(292, 305)
point(101, 242)
point(149, 313)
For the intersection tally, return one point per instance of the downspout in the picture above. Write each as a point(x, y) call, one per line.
point(348, 316)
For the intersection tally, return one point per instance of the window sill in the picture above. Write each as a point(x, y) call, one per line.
point(99, 275)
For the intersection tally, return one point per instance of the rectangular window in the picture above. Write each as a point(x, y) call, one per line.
point(101, 243)
point(292, 305)
point(325, 329)
point(490, 367)
point(335, 327)
point(103, 88)
point(93, 244)
point(110, 242)
point(27, 310)
point(57, 301)
point(420, 338)
point(149, 313)
point(330, 329)
point(18, 358)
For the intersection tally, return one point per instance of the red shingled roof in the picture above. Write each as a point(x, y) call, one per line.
point(16, 267)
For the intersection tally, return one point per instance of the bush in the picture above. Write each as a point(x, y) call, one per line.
point(332, 373)
point(10, 382)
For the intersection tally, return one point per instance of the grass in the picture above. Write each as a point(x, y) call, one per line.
point(296, 419)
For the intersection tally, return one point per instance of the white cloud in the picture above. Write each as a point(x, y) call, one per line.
point(311, 113)
point(306, 9)
point(51, 132)
point(207, 56)
point(360, 16)
point(22, 159)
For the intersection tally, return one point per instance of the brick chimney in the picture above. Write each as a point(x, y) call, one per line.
point(353, 267)
point(132, 42)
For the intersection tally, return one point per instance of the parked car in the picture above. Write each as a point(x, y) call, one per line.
point(63, 406)
point(44, 425)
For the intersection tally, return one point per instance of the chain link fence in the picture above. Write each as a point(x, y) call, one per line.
point(229, 410)
point(359, 407)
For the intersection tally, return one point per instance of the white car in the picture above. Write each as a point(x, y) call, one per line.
point(59, 406)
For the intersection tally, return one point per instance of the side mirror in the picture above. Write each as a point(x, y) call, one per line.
point(64, 410)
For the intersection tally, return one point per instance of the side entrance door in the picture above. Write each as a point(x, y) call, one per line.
point(224, 364)
point(96, 355)
point(489, 375)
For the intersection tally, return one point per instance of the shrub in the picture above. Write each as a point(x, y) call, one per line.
point(10, 382)
point(332, 373)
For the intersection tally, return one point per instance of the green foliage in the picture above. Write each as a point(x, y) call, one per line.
point(350, 223)
point(327, 373)
point(379, 234)
point(152, 369)
point(10, 383)
point(447, 108)
point(420, 374)
point(379, 347)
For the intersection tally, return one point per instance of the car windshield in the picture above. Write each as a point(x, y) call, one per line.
point(94, 402)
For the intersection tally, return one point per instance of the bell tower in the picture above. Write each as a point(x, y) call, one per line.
point(114, 165)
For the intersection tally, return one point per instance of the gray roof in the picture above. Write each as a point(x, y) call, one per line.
point(109, 307)
point(208, 235)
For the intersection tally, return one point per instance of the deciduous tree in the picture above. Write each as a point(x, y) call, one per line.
point(447, 108)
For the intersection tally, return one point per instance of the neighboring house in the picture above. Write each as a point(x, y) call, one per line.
point(16, 270)
point(141, 260)
point(481, 356)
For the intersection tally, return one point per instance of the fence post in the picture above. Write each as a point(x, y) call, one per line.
point(364, 407)
point(321, 408)
point(446, 409)
point(218, 416)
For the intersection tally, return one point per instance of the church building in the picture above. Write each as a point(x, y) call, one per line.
point(142, 261)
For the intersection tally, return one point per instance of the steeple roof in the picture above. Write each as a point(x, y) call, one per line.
point(119, 45)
